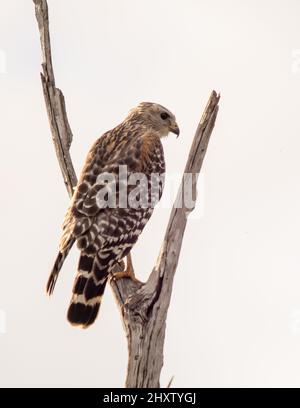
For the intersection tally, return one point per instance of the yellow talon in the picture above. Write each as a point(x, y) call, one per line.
point(127, 273)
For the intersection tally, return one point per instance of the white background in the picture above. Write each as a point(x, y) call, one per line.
point(234, 318)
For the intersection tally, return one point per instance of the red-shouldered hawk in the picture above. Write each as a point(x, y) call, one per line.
point(104, 229)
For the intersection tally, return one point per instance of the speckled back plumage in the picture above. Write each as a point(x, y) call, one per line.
point(106, 235)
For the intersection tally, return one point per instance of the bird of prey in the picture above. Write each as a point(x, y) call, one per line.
point(105, 233)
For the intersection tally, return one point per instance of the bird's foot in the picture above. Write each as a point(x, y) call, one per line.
point(126, 273)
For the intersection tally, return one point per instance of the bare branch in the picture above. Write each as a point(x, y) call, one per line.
point(55, 102)
point(143, 307)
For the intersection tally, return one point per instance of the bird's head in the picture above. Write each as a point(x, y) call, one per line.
point(155, 117)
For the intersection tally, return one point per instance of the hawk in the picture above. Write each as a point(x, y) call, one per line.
point(105, 231)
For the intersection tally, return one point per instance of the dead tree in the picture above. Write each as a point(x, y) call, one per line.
point(143, 306)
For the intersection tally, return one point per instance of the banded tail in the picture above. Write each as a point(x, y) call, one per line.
point(88, 290)
point(57, 267)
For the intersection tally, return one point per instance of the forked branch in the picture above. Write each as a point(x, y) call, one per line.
point(143, 307)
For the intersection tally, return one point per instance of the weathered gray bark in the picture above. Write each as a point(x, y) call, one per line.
point(143, 307)
point(55, 102)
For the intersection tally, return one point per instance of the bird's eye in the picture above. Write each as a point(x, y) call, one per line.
point(164, 115)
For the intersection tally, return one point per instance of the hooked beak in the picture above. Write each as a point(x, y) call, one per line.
point(175, 129)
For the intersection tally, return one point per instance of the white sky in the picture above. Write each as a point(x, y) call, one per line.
point(234, 318)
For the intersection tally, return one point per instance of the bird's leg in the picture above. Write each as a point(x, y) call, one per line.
point(128, 272)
